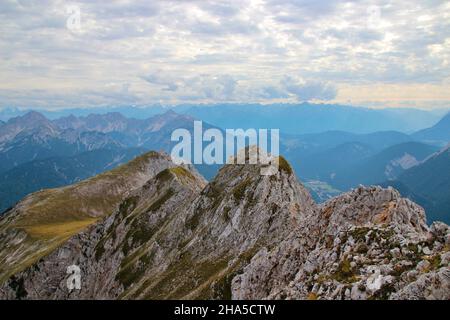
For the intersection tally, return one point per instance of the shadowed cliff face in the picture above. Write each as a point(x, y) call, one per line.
point(243, 235)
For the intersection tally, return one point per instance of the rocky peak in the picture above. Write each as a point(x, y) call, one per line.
point(31, 123)
point(374, 206)
point(254, 201)
point(32, 116)
point(367, 243)
point(169, 120)
point(31, 119)
point(69, 122)
point(109, 122)
point(170, 112)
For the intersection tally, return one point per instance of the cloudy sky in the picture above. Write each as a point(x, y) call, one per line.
point(57, 54)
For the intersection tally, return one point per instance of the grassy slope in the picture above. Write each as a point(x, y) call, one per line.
point(46, 219)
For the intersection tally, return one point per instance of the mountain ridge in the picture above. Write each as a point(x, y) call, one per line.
point(178, 237)
point(438, 133)
point(49, 217)
point(59, 171)
point(369, 244)
point(430, 181)
point(310, 118)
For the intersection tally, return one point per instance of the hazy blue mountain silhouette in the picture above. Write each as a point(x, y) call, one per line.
point(429, 185)
point(437, 134)
point(58, 171)
point(313, 118)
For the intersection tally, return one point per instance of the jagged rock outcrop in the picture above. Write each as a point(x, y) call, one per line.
point(366, 244)
point(244, 236)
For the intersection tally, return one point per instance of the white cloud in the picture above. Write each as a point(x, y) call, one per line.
point(212, 51)
point(309, 90)
point(198, 87)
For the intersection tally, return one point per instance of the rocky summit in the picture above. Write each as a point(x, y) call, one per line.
point(366, 244)
point(154, 230)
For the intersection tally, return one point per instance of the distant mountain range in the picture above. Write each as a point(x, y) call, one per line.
point(293, 118)
point(345, 160)
point(437, 134)
point(429, 185)
point(55, 172)
point(314, 118)
point(387, 164)
point(311, 147)
point(37, 153)
point(128, 111)
point(339, 160)
point(34, 137)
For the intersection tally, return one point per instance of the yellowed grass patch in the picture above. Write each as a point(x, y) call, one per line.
point(58, 230)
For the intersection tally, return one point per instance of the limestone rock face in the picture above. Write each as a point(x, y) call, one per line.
point(243, 236)
point(366, 244)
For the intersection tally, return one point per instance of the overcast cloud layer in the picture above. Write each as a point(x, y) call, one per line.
point(371, 53)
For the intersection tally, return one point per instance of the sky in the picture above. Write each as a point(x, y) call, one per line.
point(60, 54)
